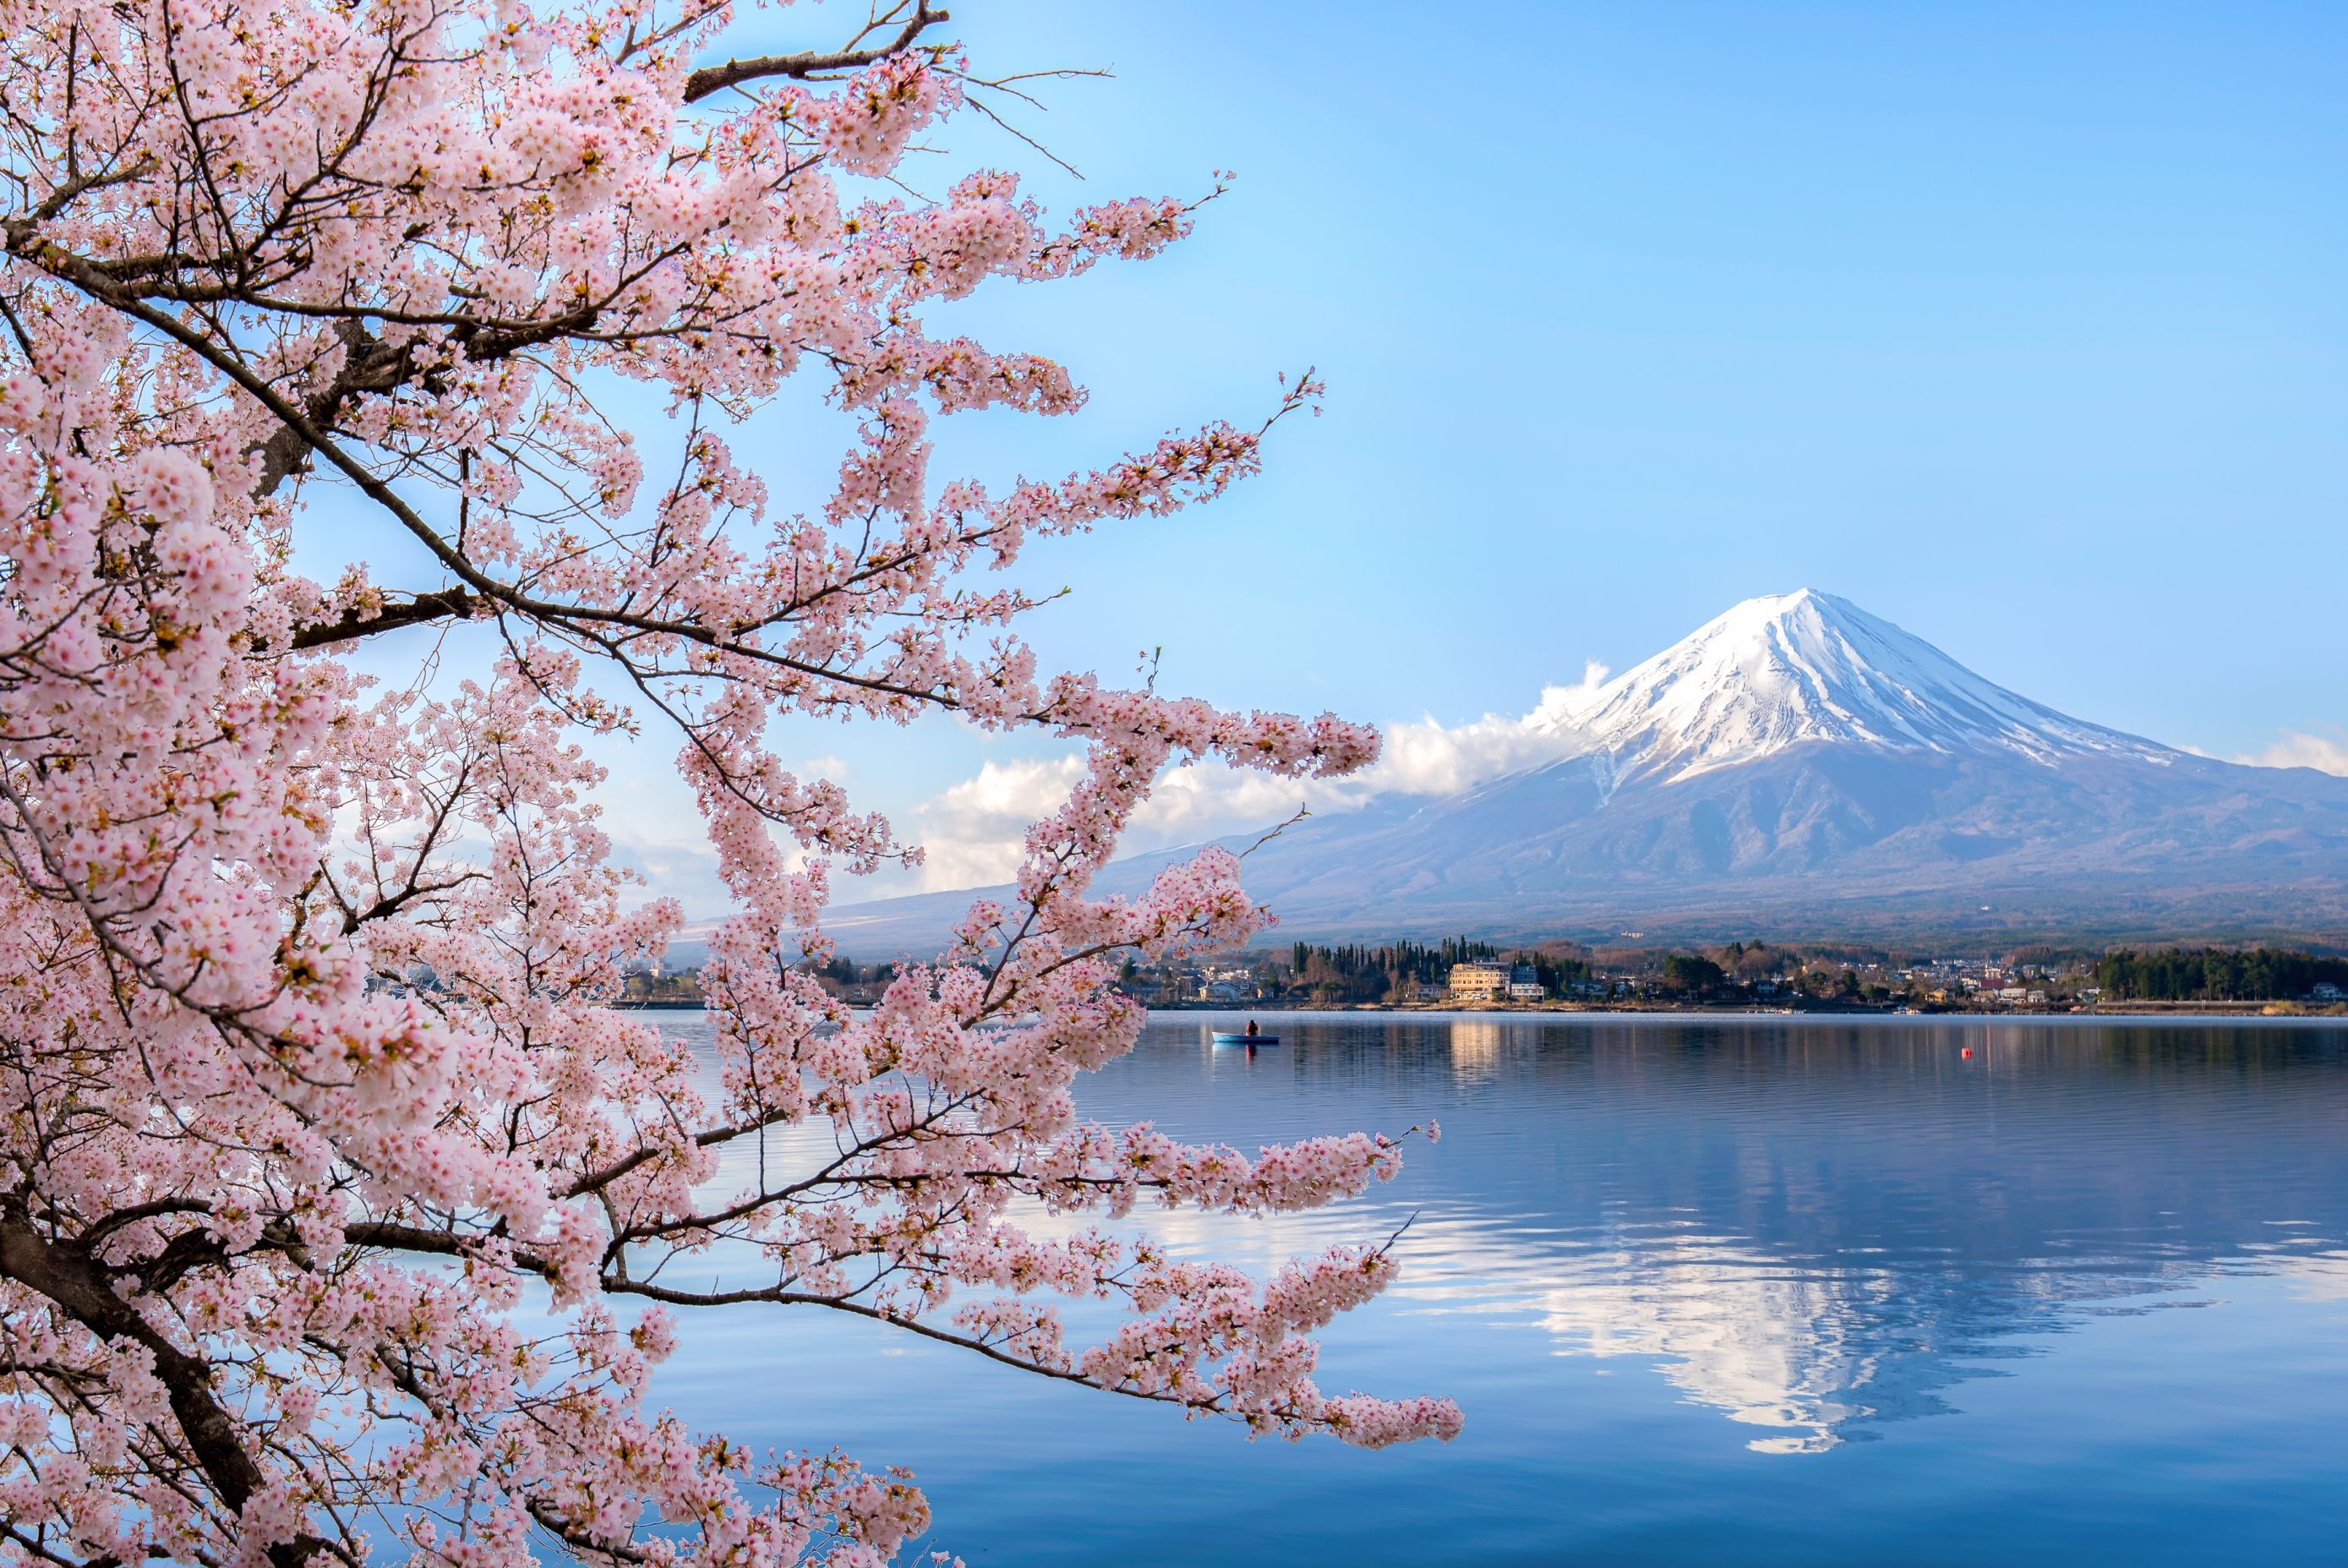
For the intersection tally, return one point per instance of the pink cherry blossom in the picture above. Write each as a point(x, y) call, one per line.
point(317, 1104)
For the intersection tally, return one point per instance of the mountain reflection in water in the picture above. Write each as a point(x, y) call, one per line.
point(1818, 1229)
point(1823, 1232)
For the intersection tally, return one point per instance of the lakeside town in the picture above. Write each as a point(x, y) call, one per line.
point(1461, 974)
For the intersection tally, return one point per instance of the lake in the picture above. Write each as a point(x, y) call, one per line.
point(1752, 1290)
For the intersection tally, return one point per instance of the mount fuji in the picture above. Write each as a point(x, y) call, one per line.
point(1809, 669)
point(1799, 767)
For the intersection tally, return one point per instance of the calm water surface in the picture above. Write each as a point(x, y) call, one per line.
point(1748, 1290)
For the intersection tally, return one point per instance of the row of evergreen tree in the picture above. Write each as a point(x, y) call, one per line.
point(2214, 974)
point(848, 972)
point(1408, 960)
point(1355, 972)
point(1358, 972)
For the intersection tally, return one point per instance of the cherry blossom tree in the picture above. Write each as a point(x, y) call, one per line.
point(335, 1202)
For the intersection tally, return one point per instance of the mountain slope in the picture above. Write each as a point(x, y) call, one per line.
point(1800, 765)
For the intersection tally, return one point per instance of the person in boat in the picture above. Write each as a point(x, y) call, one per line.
point(1251, 1030)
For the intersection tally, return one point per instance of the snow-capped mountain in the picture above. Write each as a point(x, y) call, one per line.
point(1800, 767)
point(1807, 668)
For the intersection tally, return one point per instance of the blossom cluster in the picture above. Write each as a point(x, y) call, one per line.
point(316, 1099)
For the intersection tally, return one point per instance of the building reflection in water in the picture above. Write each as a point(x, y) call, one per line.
point(1475, 1049)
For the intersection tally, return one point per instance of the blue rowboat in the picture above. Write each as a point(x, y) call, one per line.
point(1223, 1039)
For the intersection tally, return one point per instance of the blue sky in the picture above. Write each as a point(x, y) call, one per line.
point(2025, 327)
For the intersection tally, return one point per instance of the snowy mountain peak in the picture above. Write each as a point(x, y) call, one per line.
point(1806, 667)
point(1886, 783)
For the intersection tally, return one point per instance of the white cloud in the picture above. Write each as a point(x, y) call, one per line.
point(1429, 759)
point(2298, 748)
point(973, 832)
point(1209, 798)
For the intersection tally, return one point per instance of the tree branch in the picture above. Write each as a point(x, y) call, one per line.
point(712, 80)
point(64, 1274)
point(446, 603)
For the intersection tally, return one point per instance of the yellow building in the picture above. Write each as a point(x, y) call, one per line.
point(1484, 980)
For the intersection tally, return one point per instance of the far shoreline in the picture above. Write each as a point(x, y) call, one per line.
point(1731, 1010)
point(2148, 1012)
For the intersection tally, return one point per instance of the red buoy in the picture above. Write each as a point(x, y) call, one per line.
point(1968, 1052)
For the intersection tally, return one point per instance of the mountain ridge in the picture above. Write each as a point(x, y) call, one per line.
point(1796, 765)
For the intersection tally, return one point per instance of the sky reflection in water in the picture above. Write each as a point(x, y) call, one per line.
point(1742, 1290)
